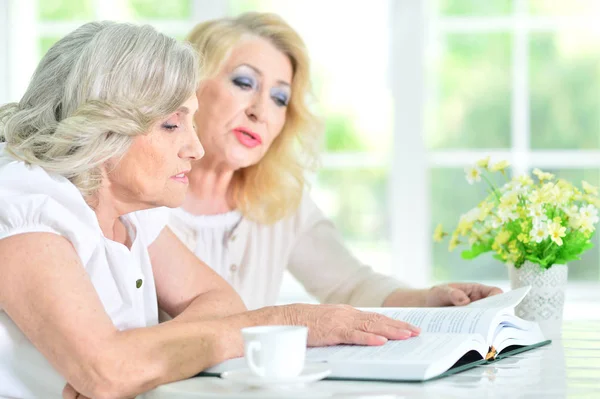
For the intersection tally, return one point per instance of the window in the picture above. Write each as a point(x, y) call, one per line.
point(518, 79)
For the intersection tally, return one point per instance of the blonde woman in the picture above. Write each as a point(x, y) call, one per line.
point(247, 213)
point(104, 134)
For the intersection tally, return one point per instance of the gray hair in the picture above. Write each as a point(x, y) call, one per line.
point(92, 93)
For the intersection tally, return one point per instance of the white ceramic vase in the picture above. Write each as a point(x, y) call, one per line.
point(545, 302)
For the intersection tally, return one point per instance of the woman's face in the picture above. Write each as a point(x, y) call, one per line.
point(154, 170)
point(243, 108)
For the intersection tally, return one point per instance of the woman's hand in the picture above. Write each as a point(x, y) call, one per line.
point(70, 393)
point(458, 294)
point(343, 324)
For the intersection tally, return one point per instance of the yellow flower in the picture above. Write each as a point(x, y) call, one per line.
point(509, 200)
point(556, 232)
point(439, 234)
point(543, 175)
point(466, 221)
point(525, 180)
point(484, 163)
point(536, 198)
point(502, 237)
point(486, 208)
point(500, 166)
point(454, 241)
point(524, 238)
point(592, 200)
point(588, 188)
point(564, 196)
point(473, 175)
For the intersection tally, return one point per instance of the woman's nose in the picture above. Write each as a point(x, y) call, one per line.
point(193, 148)
point(256, 109)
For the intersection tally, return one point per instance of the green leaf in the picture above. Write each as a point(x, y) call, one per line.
point(533, 259)
point(475, 251)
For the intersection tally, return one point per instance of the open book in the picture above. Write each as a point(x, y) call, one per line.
point(452, 339)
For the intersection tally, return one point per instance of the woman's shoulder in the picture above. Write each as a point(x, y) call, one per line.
point(33, 200)
point(20, 178)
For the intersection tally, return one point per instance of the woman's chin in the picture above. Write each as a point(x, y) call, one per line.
point(172, 200)
point(243, 159)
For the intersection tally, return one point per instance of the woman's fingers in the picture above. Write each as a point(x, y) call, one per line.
point(342, 324)
point(385, 326)
point(70, 393)
point(357, 337)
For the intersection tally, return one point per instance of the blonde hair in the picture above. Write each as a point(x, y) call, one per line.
point(92, 93)
point(273, 188)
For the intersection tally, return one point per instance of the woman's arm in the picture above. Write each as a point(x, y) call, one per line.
point(186, 287)
point(45, 290)
point(322, 262)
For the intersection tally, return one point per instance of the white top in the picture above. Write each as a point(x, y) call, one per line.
point(31, 200)
point(253, 256)
point(207, 228)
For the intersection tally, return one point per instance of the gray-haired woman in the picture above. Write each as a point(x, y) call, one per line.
point(103, 134)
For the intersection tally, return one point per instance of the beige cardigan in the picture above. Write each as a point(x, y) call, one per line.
point(306, 243)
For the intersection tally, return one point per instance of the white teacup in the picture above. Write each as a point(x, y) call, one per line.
point(275, 351)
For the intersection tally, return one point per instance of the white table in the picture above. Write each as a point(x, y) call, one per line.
point(566, 368)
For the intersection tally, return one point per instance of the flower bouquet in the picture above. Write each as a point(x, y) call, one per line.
point(535, 226)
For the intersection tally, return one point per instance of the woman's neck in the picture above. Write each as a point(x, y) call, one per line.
point(209, 192)
point(108, 215)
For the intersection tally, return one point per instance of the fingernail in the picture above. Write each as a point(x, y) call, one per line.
point(414, 333)
point(403, 334)
point(381, 339)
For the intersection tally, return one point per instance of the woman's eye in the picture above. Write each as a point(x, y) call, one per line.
point(243, 83)
point(169, 126)
point(281, 101)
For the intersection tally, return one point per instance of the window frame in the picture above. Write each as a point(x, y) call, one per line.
point(521, 155)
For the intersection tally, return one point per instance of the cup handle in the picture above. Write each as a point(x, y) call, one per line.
point(252, 348)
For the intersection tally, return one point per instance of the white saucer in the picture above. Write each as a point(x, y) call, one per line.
point(311, 373)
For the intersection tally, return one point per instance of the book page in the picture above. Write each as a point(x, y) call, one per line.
point(414, 359)
point(506, 300)
point(454, 320)
point(426, 348)
point(475, 318)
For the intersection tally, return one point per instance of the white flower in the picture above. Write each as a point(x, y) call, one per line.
point(537, 213)
point(473, 174)
point(585, 219)
point(589, 212)
point(571, 211)
point(539, 232)
point(472, 215)
point(495, 223)
point(506, 214)
point(509, 200)
point(585, 225)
